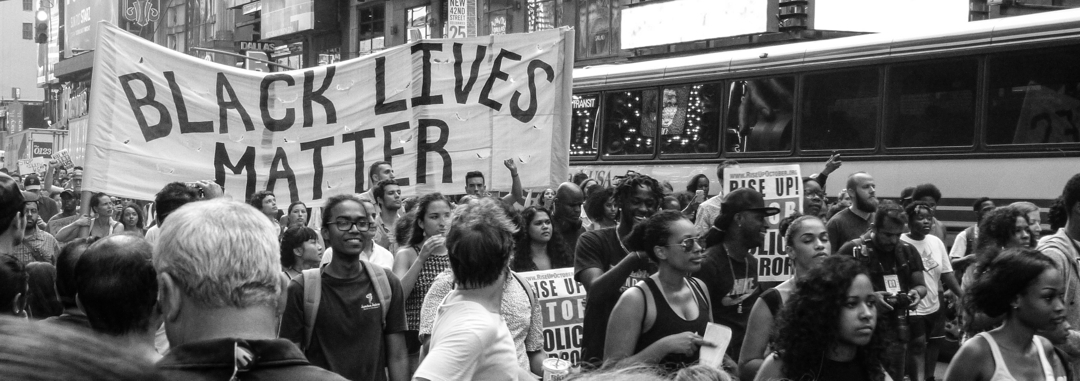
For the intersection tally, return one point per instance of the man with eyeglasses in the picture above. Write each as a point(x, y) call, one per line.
point(730, 270)
point(373, 252)
point(350, 334)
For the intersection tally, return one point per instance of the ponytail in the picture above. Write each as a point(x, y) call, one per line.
point(652, 232)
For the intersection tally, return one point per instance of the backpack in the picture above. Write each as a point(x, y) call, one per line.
point(312, 295)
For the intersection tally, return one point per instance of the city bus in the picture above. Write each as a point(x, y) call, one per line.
point(983, 109)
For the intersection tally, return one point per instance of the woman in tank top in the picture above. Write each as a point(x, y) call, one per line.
point(1024, 287)
point(100, 221)
point(661, 320)
point(828, 329)
point(807, 244)
point(418, 263)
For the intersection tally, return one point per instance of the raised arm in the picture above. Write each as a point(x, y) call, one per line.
point(516, 191)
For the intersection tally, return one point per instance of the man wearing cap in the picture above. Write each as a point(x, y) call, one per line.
point(67, 215)
point(36, 245)
point(47, 208)
point(729, 270)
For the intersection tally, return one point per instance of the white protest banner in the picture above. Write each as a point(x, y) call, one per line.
point(781, 186)
point(436, 109)
point(562, 305)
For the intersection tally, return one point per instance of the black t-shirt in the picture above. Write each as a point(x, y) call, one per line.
point(881, 263)
point(843, 371)
point(601, 249)
point(348, 335)
point(733, 287)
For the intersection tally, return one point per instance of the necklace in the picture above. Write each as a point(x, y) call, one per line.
point(734, 280)
point(619, 238)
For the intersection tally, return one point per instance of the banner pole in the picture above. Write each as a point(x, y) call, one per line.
point(84, 208)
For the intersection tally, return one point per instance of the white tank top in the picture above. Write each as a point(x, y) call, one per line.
point(1001, 372)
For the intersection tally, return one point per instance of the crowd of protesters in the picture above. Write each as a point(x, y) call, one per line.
point(374, 286)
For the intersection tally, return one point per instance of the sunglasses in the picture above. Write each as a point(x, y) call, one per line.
point(688, 244)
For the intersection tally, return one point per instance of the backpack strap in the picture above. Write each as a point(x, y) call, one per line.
point(381, 284)
point(969, 237)
point(311, 280)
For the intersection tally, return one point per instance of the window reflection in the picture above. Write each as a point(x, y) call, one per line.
point(630, 122)
point(690, 119)
point(839, 110)
point(932, 104)
point(760, 114)
point(1034, 98)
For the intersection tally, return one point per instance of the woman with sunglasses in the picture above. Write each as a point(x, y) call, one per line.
point(676, 306)
point(807, 244)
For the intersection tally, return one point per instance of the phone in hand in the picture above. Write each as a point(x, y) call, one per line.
point(699, 195)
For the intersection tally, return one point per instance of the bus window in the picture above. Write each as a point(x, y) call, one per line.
point(1034, 97)
point(690, 119)
point(760, 114)
point(840, 110)
point(583, 125)
point(932, 104)
point(630, 119)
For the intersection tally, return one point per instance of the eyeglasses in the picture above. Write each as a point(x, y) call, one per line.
point(688, 244)
point(361, 225)
point(816, 196)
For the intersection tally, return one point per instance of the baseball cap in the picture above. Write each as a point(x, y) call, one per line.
point(32, 183)
point(11, 198)
point(29, 196)
point(68, 193)
point(743, 200)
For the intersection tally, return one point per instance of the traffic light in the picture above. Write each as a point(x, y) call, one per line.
point(41, 26)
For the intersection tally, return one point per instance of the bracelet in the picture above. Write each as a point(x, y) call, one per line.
point(514, 174)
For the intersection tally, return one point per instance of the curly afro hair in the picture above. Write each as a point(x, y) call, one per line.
point(996, 228)
point(1007, 275)
point(810, 321)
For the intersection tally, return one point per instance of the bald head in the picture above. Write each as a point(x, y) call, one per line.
point(568, 200)
point(121, 246)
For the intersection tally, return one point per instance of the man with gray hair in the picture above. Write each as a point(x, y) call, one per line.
point(220, 293)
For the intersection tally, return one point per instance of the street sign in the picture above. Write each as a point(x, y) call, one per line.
point(255, 45)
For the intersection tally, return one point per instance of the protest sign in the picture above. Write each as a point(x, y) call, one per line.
point(63, 158)
point(562, 305)
point(436, 109)
point(39, 165)
point(24, 167)
point(781, 186)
